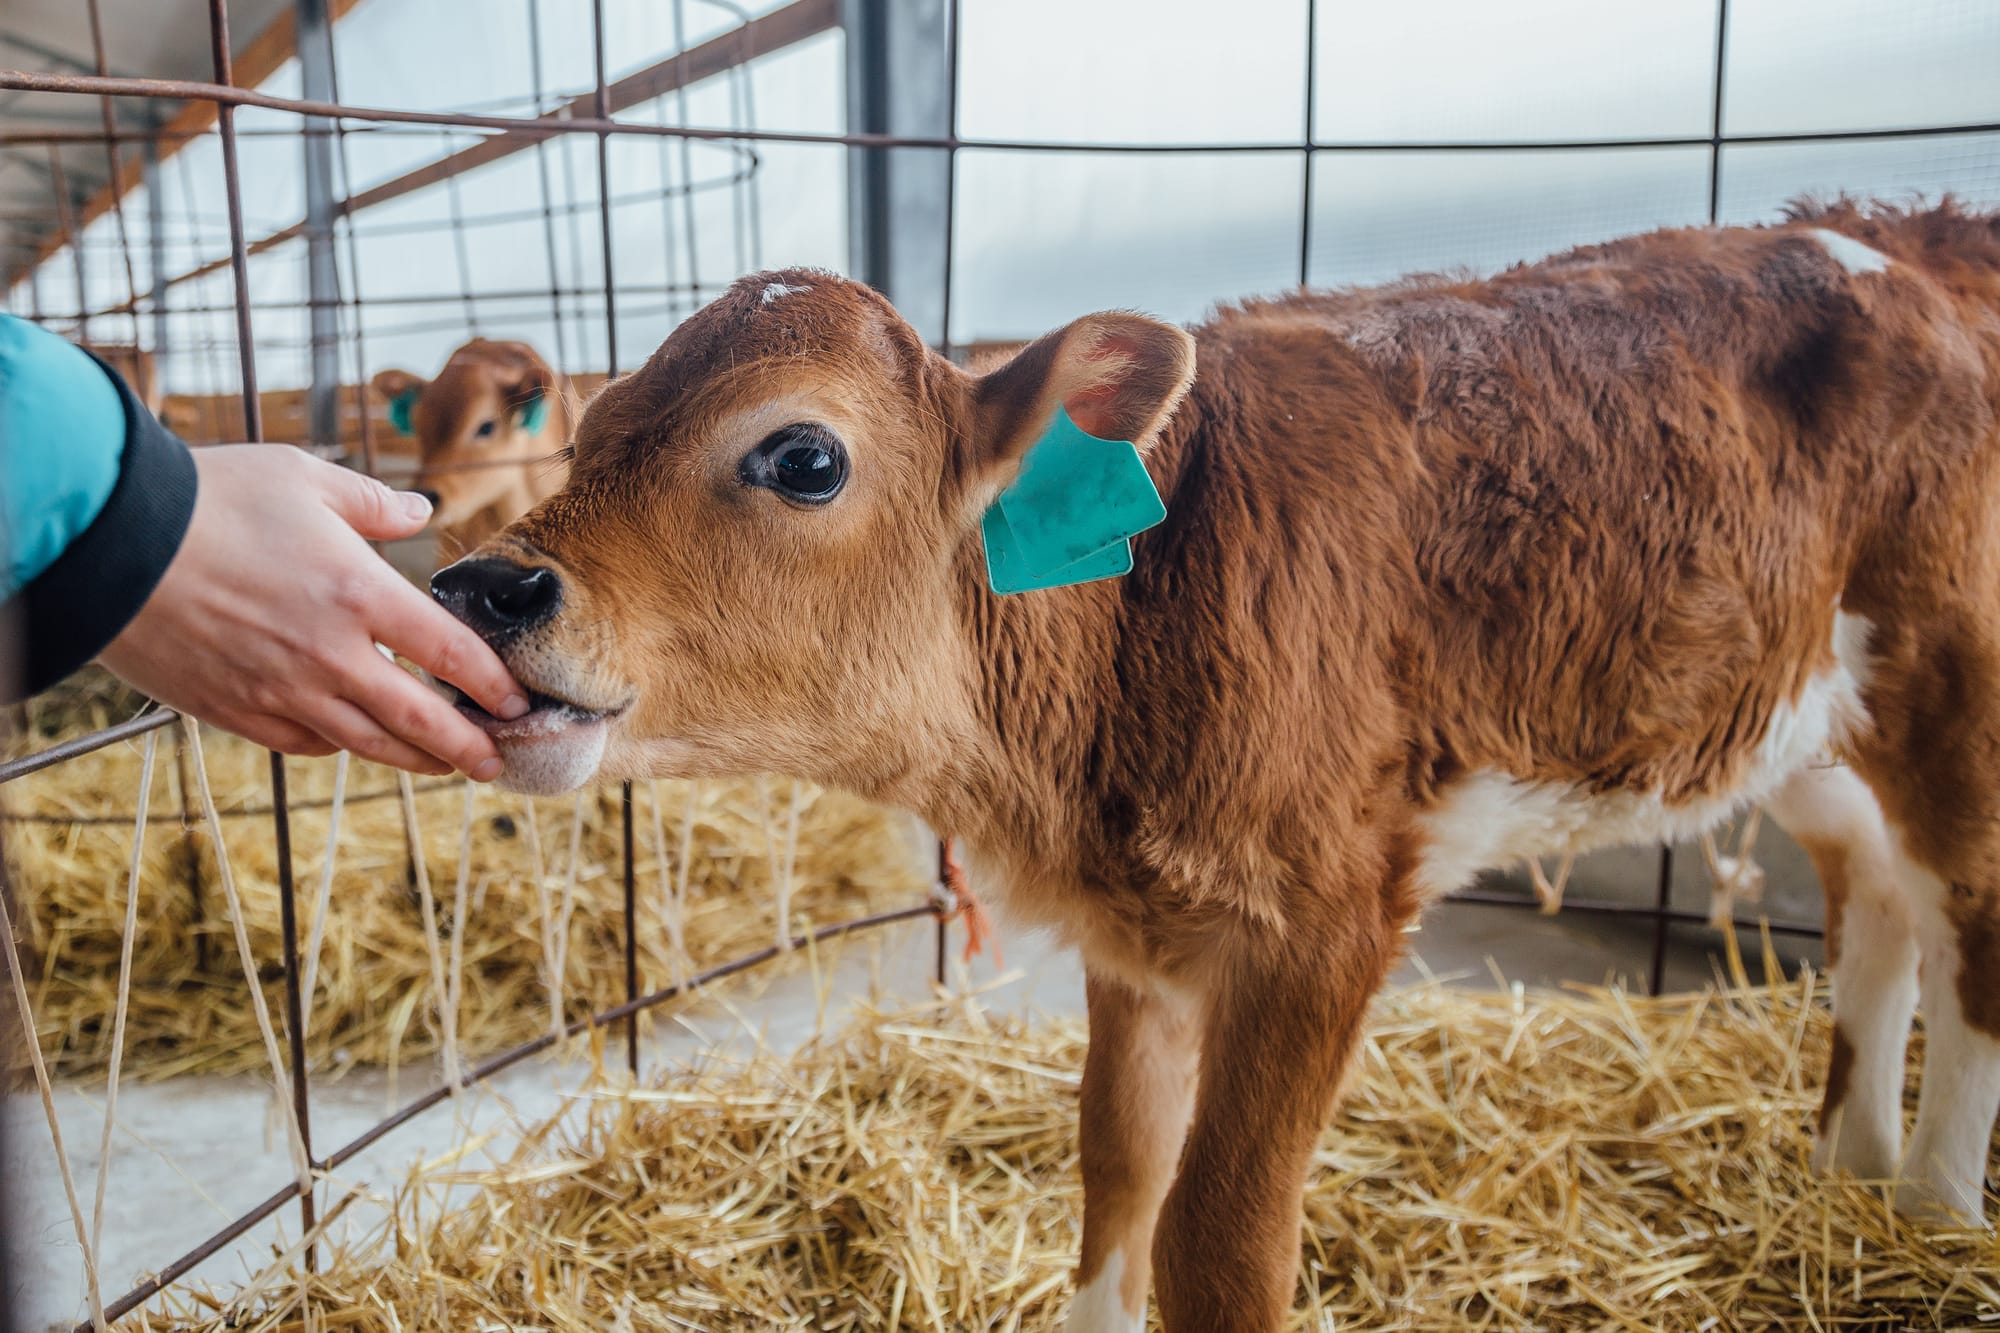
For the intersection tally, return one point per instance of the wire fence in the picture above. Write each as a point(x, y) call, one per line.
point(574, 297)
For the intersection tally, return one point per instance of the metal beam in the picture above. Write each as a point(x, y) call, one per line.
point(899, 199)
point(156, 253)
point(315, 45)
point(760, 36)
point(34, 46)
point(260, 58)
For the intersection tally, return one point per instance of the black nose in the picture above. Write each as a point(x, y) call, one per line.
point(430, 495)
point(498, 598)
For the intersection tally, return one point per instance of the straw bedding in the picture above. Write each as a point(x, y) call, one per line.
point(68, 837)
point(1573, 1160)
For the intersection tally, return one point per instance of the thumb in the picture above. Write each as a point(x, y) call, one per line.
point(371, 508)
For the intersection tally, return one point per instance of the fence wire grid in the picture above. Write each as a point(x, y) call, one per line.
point(192, 306)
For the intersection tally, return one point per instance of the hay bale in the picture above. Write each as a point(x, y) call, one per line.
point(68, 835)
point(1576, 1160)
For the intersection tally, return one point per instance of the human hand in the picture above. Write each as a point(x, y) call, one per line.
point(266, 622)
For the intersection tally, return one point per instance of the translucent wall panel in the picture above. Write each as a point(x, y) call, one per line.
point(1044, 237)
point(389, 51)
point(779, 203)
point(801, 88)
point(1527, 69)
point(270, 156)
point(1377, 216)
point(1133, 71)
point(1759, 179)
point(1816, 65)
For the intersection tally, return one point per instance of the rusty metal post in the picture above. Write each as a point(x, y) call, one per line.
point(1715, 110)
point(295, 999)
point(631, 931)
point(1662, 918)
point(315, 54)
point(72, 237)
point(191, 851)
point(253, 424)
point(1306, 139)
point(144, 386)
point(603, 108)
point(943, 920)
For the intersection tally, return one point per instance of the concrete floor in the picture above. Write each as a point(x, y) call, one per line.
point(195, 1151)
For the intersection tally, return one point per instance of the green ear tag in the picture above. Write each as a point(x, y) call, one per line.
point(400, 408)
point(1007, 572)
point(534, 412)
point(1068, 518)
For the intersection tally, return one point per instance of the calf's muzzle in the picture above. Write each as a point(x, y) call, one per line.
point(500, 599)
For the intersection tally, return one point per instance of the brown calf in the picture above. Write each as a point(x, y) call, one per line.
point(491, 428)
point(1454, 573)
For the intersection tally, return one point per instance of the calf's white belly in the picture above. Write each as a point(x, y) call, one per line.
point(1490, 820)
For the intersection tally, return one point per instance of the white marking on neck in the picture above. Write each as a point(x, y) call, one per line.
point(1849, 253)
point(1098, 1307)
point(1490, 820)
point(776, 290)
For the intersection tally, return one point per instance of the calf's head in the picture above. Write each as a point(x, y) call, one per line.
point(483, 426)
point(762, 559)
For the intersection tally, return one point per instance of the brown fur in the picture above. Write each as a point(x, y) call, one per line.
point(1585, 523)
point(1830, 862)
point(484, 483)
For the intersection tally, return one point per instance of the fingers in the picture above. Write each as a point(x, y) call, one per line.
point(421, 630)
point(371, 508)
point(354, 729)
point(280, 734)
point(413, 714)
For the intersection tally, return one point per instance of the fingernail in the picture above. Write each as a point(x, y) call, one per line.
point(486, 770)
point(513, 706)
point(415, 505)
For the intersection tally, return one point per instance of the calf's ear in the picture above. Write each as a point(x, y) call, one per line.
point(1119, 376)
point(399, 389)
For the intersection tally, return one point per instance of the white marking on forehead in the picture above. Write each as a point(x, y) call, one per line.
point(1849, 253)
point(773, 291)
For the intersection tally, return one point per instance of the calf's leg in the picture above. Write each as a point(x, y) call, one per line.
point(1958, 929)
point(1871, 955)
point(1934, 760)
point(1137, 1095)
point(1283, 1017)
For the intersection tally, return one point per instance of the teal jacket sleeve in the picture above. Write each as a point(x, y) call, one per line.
point(95, 497)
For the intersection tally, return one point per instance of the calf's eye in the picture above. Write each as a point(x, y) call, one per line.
point(805, 463)
point(485, 429)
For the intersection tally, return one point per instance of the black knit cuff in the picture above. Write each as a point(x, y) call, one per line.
point(79, 604)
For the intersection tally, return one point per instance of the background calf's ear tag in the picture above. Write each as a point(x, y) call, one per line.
point(534, 412)
point(1070, 514)
point(400, 408)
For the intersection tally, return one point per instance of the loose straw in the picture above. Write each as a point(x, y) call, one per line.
point(555, 924)
point(673, 880)
point(1564, 1160)
point(1731, 877)
point(781, 868)
point(456, 980)
point(243, 952)
point(324, 902)
point(1550, 892)
point(33, 1043)
point(124, 990)
point(428, 903)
